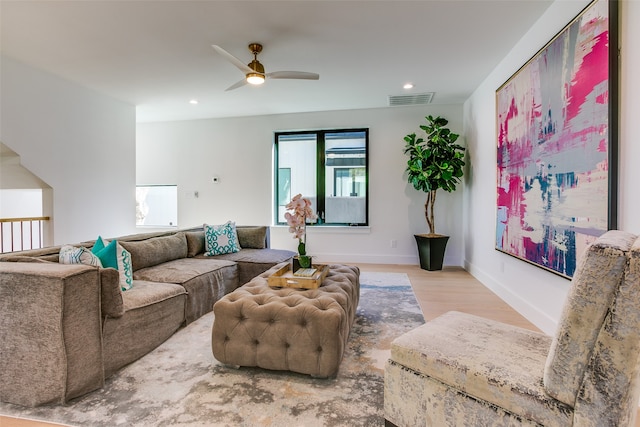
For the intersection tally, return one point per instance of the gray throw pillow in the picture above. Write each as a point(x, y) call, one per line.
point(252, 237)
point(195, 243)
point(154, 251)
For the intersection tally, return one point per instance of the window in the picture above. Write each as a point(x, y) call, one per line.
point(156, 206)
point(330, 168)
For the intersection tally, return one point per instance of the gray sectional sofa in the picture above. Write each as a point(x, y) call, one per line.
point(65, 328)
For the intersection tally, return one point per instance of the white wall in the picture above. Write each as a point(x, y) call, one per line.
point(239, 151)
point(20, 203)
point(79, 142)
point(536, 293)
point(629, 172)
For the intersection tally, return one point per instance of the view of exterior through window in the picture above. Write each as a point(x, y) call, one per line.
point(156, 206)
point(328, 167)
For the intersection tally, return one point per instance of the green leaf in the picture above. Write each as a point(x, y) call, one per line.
point(435, 160)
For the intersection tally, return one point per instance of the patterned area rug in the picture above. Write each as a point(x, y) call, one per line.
point(180, 383)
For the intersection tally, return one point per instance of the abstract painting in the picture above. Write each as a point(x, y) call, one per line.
point(556, 151)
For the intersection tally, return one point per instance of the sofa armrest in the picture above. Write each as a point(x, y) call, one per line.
point(112, 304)
point(50, 332)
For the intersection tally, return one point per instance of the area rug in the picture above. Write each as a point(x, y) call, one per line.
point(181, 384)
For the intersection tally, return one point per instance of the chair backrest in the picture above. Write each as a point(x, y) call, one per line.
point(593, 363)
point(611, 385)
point(593, 291)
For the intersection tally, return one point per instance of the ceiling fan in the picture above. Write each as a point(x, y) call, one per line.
point(254, 71)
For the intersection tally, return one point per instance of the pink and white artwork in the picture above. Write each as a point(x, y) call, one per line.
point(553, 147)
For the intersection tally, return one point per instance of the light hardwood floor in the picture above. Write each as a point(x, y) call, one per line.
point(436, 291)
point(453, 288)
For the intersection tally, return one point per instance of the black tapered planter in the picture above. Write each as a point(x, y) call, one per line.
point(431, 251)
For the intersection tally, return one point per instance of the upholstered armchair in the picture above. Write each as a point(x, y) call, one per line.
point(463, 370)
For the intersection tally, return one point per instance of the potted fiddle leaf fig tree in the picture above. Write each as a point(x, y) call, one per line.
point(435, 162)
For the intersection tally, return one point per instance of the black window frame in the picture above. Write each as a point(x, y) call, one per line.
point(320, 136)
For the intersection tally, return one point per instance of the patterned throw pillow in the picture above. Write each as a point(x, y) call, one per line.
point(221, 239)
point(72, 255)
point(113, 255)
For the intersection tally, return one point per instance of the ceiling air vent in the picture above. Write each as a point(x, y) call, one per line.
point(415, 99)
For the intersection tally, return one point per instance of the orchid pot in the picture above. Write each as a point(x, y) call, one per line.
point(298, 212)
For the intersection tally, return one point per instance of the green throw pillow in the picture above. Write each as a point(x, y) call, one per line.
point(221, 239)
point(113, 255)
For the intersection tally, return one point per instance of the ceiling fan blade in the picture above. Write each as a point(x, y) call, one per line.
point(235, 61)
point(293, 75)
point(236, 85)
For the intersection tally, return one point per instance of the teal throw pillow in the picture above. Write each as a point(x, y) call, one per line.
point(221, 239)
point(113, 255)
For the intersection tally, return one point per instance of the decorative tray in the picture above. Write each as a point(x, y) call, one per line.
point(285, 278)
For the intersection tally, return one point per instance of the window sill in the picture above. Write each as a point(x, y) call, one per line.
point(332, 229)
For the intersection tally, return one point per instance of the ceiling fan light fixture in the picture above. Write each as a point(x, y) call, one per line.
point(255, 78)
point(254, 73)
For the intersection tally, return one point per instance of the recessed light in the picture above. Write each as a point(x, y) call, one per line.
point(408, 86)
point(193, 101)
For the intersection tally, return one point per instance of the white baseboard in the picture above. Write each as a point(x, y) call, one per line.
point(543, 321)
point(376, 259)
point(365, 258)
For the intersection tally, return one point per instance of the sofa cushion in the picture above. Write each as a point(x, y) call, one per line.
point(252, 237)
point(22, 258)
point(50, 253)
point(592, 291)
point(252, 262)
point(148, 293)
point(153, 312)
point(205, 279)
point(195, 243)
point(154, 251)
point(221, 239)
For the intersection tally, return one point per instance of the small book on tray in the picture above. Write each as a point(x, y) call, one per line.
point(305, 272)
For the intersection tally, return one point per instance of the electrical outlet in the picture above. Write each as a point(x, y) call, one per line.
point(394, 244)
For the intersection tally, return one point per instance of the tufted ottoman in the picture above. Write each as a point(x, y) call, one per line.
point(303, 331)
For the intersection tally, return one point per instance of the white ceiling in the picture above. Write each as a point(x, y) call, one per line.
point(157, 55)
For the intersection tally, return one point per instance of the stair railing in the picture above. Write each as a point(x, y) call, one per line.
point(18, 234)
